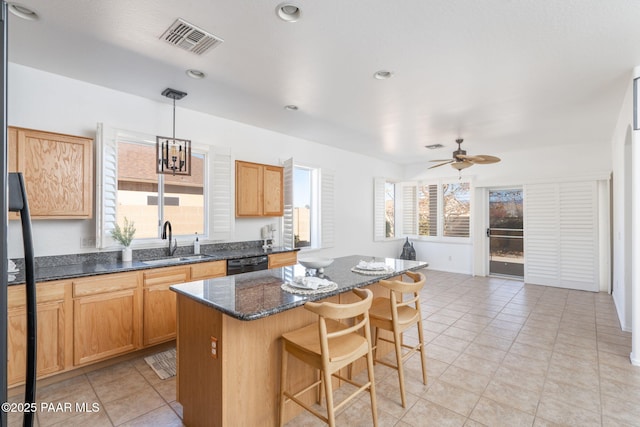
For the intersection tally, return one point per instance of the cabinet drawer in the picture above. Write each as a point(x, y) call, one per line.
point(207, 270)
point(283, 259)
point(105, 283)
point(45, 292)
point(166, 276)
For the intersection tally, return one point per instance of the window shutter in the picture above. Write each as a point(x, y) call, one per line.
point(409, 210)
point(327, 208)
point(561, 235)
point(378, 209)
point(428, 210)
point(106, 184)
point(542, 234)
point(221, 198)
point(457, 209)
point(287, 218)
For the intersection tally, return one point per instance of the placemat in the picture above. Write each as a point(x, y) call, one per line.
point(291, 289)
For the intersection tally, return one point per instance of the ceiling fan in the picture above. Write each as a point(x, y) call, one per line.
point(461, 161)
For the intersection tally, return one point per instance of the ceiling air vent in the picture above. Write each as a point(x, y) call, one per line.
point(189, 37)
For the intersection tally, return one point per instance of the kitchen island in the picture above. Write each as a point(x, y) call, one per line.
point(229, 332)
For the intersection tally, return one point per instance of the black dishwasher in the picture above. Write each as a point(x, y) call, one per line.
point(244, 265)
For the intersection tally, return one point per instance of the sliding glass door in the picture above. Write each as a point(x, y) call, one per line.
point(506, 233)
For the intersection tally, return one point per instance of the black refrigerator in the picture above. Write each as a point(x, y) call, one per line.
point(4, 212)
point(14, 199)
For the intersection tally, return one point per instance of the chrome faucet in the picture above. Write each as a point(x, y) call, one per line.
point(171, 249)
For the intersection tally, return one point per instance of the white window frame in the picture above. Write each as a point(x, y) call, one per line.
point(406, 211)
point(217, 222)
point(322, 206)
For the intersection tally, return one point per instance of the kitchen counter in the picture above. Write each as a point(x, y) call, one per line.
point(73, 266)
point(251, 296)
point(229, 346)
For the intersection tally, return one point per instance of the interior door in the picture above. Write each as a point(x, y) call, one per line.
point(506, 233)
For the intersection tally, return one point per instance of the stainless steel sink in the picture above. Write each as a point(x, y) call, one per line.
point(177, 259)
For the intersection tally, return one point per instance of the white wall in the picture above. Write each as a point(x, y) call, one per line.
point(45, 101)
point(517, 167)
point(621, 216)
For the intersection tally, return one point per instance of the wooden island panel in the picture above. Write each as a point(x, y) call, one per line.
point(240, 387)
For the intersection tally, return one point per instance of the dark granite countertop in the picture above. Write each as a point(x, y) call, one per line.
point(255, 295)
point(72, 266)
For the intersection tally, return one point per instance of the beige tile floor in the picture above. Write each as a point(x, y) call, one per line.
point(500, 353)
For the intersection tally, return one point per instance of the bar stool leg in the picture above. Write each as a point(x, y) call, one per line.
point(422, 352)
point(283, 380)
point(372, 389)
point(328, 388)
point(398, 345)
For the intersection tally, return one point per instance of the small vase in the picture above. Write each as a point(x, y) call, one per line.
point(127, 254)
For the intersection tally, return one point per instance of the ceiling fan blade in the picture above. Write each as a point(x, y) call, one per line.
point(441, 164)
point(442, 160)
point(481, 159)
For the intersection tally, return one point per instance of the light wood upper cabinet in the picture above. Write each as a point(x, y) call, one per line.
point(54, 344)
point(259, 190)
point(58, 172)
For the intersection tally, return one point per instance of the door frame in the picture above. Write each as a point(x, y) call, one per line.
point(486, 252)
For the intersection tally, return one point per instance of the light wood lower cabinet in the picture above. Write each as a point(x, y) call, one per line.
point(159, 323)
point(208, 270)
point(54, 325)
point(106, 316)
point(282, 259)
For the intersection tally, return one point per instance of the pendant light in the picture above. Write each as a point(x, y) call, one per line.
point(173, 155)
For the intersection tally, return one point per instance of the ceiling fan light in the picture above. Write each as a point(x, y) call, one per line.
point(461, 165)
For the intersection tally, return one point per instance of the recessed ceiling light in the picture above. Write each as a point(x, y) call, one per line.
point(23, 12)
point(196, 74)
point(288, 12)
point(291, 107)
point(382, 75)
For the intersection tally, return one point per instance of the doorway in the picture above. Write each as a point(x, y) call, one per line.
point(506, 233)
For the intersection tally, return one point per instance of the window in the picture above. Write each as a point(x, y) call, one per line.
point(428, 210)
point(149, 199)
point(424, 209)
point(389, 209)
point(308, 207)
point(304, 207)
point(456, 209)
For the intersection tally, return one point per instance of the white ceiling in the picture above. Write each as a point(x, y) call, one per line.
point(500, 73)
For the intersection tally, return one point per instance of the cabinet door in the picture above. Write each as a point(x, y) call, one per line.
point(50, 329)
point(159, 314)
point(58, 172)
point(273, 202)
point(248, 189)
point(105, 325)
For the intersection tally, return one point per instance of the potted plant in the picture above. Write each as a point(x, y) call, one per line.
point(124, 235)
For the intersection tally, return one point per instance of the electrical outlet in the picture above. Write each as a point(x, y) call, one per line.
point(214, 347)
point(87, 242)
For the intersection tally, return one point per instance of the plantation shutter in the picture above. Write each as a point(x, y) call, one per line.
point(327, 208)
point(378, 209)
point(561, 235)
point(106, 184)
point(409, 209)
point(287, 218)
point(221, 205)
point(456, 209)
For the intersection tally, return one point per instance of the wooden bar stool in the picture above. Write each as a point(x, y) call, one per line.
point(397, 315)
point(329, 346)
